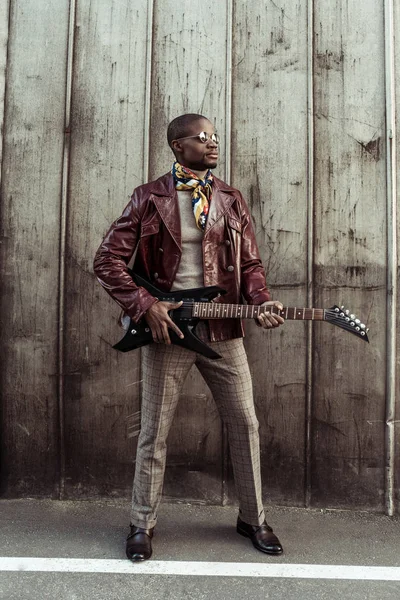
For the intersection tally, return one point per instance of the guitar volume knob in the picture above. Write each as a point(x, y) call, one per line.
point(133, 331)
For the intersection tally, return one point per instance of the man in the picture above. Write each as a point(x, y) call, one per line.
point(190, 229)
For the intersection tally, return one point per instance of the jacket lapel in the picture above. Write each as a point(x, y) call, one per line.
point(219, 205)
point(166, 201)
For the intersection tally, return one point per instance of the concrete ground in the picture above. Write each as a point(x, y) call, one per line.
point(189, 533)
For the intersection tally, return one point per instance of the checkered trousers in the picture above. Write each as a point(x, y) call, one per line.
point(164, 371)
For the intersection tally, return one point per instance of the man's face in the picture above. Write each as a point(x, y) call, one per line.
point(193, 153)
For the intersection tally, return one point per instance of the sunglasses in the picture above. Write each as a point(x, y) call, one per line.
point(203, 136)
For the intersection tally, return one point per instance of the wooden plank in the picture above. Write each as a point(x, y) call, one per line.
point(4, 16)
point(269, 165)
point(4, 30)
point(189, 72)
point(188, 75)
point(101, 386)
point(350, 255)
point(31, 183)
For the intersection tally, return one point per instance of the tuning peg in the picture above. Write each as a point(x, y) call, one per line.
point(367, 330)
point(347, 312)
point(362, 326)
point(362, 333)
point(352, 316)
point(337, 309)
point(352, 323)
point(347, 319)
point(357, 328)
point(358, 321)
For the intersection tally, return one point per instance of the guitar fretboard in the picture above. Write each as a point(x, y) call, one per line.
point(217, 310)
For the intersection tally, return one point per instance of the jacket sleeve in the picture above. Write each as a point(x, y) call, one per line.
point(253, 283)
point(112, 258)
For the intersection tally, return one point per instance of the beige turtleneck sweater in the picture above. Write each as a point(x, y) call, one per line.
point(190, 270)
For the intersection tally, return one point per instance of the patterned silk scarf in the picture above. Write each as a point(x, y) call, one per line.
point(201, 190)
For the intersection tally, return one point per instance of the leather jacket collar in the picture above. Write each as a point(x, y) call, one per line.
point(165, 199)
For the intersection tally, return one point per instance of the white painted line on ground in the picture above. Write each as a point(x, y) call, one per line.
point(220, 569)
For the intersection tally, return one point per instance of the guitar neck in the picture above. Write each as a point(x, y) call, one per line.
point(217, 310)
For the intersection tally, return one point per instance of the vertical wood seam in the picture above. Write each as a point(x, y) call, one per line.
point(228, 91)
point(310, 245)
point(63, 235)
point(3, 111)
point(391, 299)
point(147, 98)
point(228, 164)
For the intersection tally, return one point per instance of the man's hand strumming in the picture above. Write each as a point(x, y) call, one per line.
point(159, 321)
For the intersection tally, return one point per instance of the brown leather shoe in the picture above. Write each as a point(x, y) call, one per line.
point(138, 543)
point(262, 536)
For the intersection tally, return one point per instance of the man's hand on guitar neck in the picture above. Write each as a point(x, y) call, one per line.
point(159, 321)
point(267, 320)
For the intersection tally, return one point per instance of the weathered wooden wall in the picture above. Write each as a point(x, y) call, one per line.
point(30, 225)
point(300, 92)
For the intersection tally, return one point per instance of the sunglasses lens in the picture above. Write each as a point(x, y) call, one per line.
point(204, 137)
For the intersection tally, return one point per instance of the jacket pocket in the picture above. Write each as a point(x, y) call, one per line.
point(235, 224)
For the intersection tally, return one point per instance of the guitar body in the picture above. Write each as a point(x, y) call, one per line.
point(139, 334)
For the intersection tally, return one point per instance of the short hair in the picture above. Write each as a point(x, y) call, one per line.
point(178, 127)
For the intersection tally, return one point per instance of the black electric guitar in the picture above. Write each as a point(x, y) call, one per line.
point(197, 305)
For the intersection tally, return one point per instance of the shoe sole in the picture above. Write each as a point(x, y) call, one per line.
point(245, 534)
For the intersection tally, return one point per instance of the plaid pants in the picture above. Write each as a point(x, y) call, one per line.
point(164, 371)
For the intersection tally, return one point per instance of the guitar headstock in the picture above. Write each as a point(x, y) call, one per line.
point(342, 317)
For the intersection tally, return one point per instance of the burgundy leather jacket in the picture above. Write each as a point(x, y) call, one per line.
point(150, 223)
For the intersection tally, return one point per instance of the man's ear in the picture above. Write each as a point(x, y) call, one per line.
point(176, 146)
